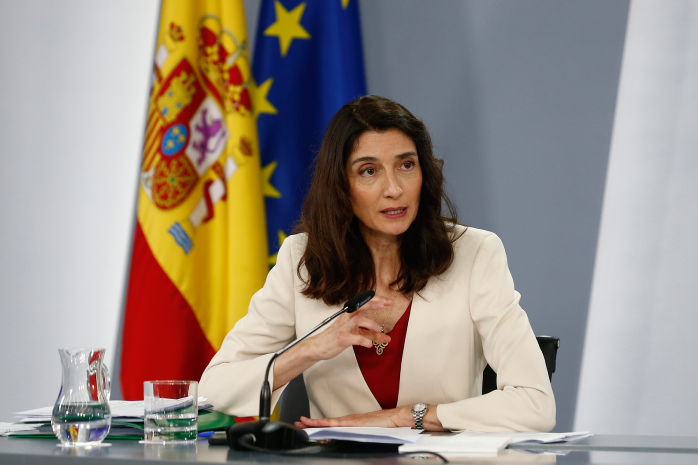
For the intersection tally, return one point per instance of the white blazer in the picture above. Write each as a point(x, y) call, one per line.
point(462, 320)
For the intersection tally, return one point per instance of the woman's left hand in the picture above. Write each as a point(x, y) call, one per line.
point(390, 418)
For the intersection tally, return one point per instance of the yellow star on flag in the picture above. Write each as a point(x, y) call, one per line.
point(345, 4)
point(267, 188)
point(282, 238)
point(261, 103)
point(287, 26)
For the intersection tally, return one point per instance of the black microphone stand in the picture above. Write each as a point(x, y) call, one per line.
point(274, 435)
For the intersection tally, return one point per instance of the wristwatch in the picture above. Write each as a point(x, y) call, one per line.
point(418, 412)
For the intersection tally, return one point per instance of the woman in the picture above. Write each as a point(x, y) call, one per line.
point(445, 302)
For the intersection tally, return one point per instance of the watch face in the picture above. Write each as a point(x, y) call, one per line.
point(420, 407)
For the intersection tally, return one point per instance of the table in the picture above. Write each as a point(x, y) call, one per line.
point(599, 449)
point(618, 443)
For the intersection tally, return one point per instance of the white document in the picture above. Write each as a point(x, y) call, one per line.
point(122, 409)
point(7, 428)
point(533, 438)
point(368, 434)
point(458, 445)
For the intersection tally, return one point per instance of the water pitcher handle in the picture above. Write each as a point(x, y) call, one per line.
point(106, 380)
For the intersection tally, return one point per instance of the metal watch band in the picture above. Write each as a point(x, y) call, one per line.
point(418, 415)
point(418, 420)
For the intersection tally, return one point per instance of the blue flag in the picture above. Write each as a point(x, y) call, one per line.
point(308, 62)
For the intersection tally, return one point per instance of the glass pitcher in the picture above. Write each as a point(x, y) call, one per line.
point(81, 415)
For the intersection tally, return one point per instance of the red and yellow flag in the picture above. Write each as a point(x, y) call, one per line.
point(200, 248)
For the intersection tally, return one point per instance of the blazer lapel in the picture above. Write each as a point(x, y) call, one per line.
point(417, 375)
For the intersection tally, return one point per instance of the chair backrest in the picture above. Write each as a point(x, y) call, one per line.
point(294, 400)
point(548, 345)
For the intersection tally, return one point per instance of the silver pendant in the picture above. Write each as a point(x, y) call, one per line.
point(380, 347)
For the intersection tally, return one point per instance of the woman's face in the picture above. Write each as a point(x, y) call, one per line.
point(385, 181)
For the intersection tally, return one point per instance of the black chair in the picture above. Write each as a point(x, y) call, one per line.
point(548, 345)
point(294, 400)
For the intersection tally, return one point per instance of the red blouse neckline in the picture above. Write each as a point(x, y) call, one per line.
point(382, 372)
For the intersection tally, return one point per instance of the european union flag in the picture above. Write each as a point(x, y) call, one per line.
point(308, 63)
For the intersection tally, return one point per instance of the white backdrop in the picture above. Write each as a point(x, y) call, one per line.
point(74, 87)
point(639, 372)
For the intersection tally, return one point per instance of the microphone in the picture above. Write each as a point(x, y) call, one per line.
point(275, 435)
point(359, 301)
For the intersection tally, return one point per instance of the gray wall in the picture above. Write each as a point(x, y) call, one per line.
point(520, 98)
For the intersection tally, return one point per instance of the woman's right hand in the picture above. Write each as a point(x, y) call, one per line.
point(348, 329)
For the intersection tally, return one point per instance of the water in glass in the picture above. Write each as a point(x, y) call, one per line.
point(171, 410)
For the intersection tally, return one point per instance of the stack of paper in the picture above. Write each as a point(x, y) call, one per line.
point(473, 443)
point(466, 443)
point(7, 428)
point(127, 420)
point(121, 410)
point(367, 434)
point(532, 438)
point(458, 445)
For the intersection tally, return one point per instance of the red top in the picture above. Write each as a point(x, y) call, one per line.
point(382, 372)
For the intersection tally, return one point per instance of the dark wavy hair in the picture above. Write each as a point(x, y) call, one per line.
point(338, 261)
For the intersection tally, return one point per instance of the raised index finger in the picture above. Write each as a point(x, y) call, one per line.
point(375, 304)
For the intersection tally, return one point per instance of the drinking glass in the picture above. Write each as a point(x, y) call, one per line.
point(81, 415)
point(171, 409)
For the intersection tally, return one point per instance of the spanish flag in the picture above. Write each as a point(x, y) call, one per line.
point(200, 248)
